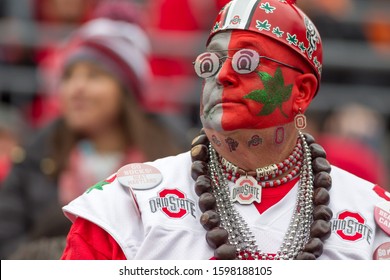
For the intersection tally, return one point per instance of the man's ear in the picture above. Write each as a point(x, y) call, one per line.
point(305, 87)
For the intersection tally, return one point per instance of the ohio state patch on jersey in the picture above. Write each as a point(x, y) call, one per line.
point(351, 226)
point(173, 203)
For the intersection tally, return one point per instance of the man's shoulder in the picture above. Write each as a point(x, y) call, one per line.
point(116, 189)
point(350, 186)
point(170, 161)
point(345, 177)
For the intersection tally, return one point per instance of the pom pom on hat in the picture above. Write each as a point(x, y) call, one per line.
point(120, 10)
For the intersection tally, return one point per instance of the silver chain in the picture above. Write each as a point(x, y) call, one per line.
point(240, 235)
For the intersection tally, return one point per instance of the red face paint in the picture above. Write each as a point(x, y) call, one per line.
point(261, 99)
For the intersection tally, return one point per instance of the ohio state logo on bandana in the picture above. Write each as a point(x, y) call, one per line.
point(173, 203)
point(351, 226)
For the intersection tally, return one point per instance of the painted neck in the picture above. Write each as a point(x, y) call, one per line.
point(250, 149)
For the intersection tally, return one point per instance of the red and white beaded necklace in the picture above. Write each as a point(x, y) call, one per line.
point(264, 175)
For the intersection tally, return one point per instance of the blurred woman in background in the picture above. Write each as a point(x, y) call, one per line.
point(102, 127)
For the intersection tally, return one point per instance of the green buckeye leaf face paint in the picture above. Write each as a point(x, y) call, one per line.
point(274, 94)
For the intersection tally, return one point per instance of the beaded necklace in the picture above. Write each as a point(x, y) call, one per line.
point(232, 172)
point(227, 231)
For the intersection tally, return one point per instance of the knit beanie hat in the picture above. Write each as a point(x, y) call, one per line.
point(119, 47)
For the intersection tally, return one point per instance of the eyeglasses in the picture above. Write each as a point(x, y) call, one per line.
point(244, 61)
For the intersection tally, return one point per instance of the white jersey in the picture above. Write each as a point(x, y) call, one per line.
point(163, 222)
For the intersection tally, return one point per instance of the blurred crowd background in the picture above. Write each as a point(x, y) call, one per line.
point(350, 116)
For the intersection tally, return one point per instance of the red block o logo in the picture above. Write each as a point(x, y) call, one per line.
point(178, 194)
point(350, 215)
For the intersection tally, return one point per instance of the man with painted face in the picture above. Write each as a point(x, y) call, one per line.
point(254, 186)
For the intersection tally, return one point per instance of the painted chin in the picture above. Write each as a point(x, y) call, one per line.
point(231, 116)
point(238, 108)
point(239, 116)
point(244, 120)
point(211, 118)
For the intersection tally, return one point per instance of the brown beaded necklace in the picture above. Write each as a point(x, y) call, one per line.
point(220, 238)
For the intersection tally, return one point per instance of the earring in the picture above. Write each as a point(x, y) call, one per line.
point(300, 120)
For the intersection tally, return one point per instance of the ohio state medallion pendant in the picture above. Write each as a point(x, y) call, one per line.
point(246, 190)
